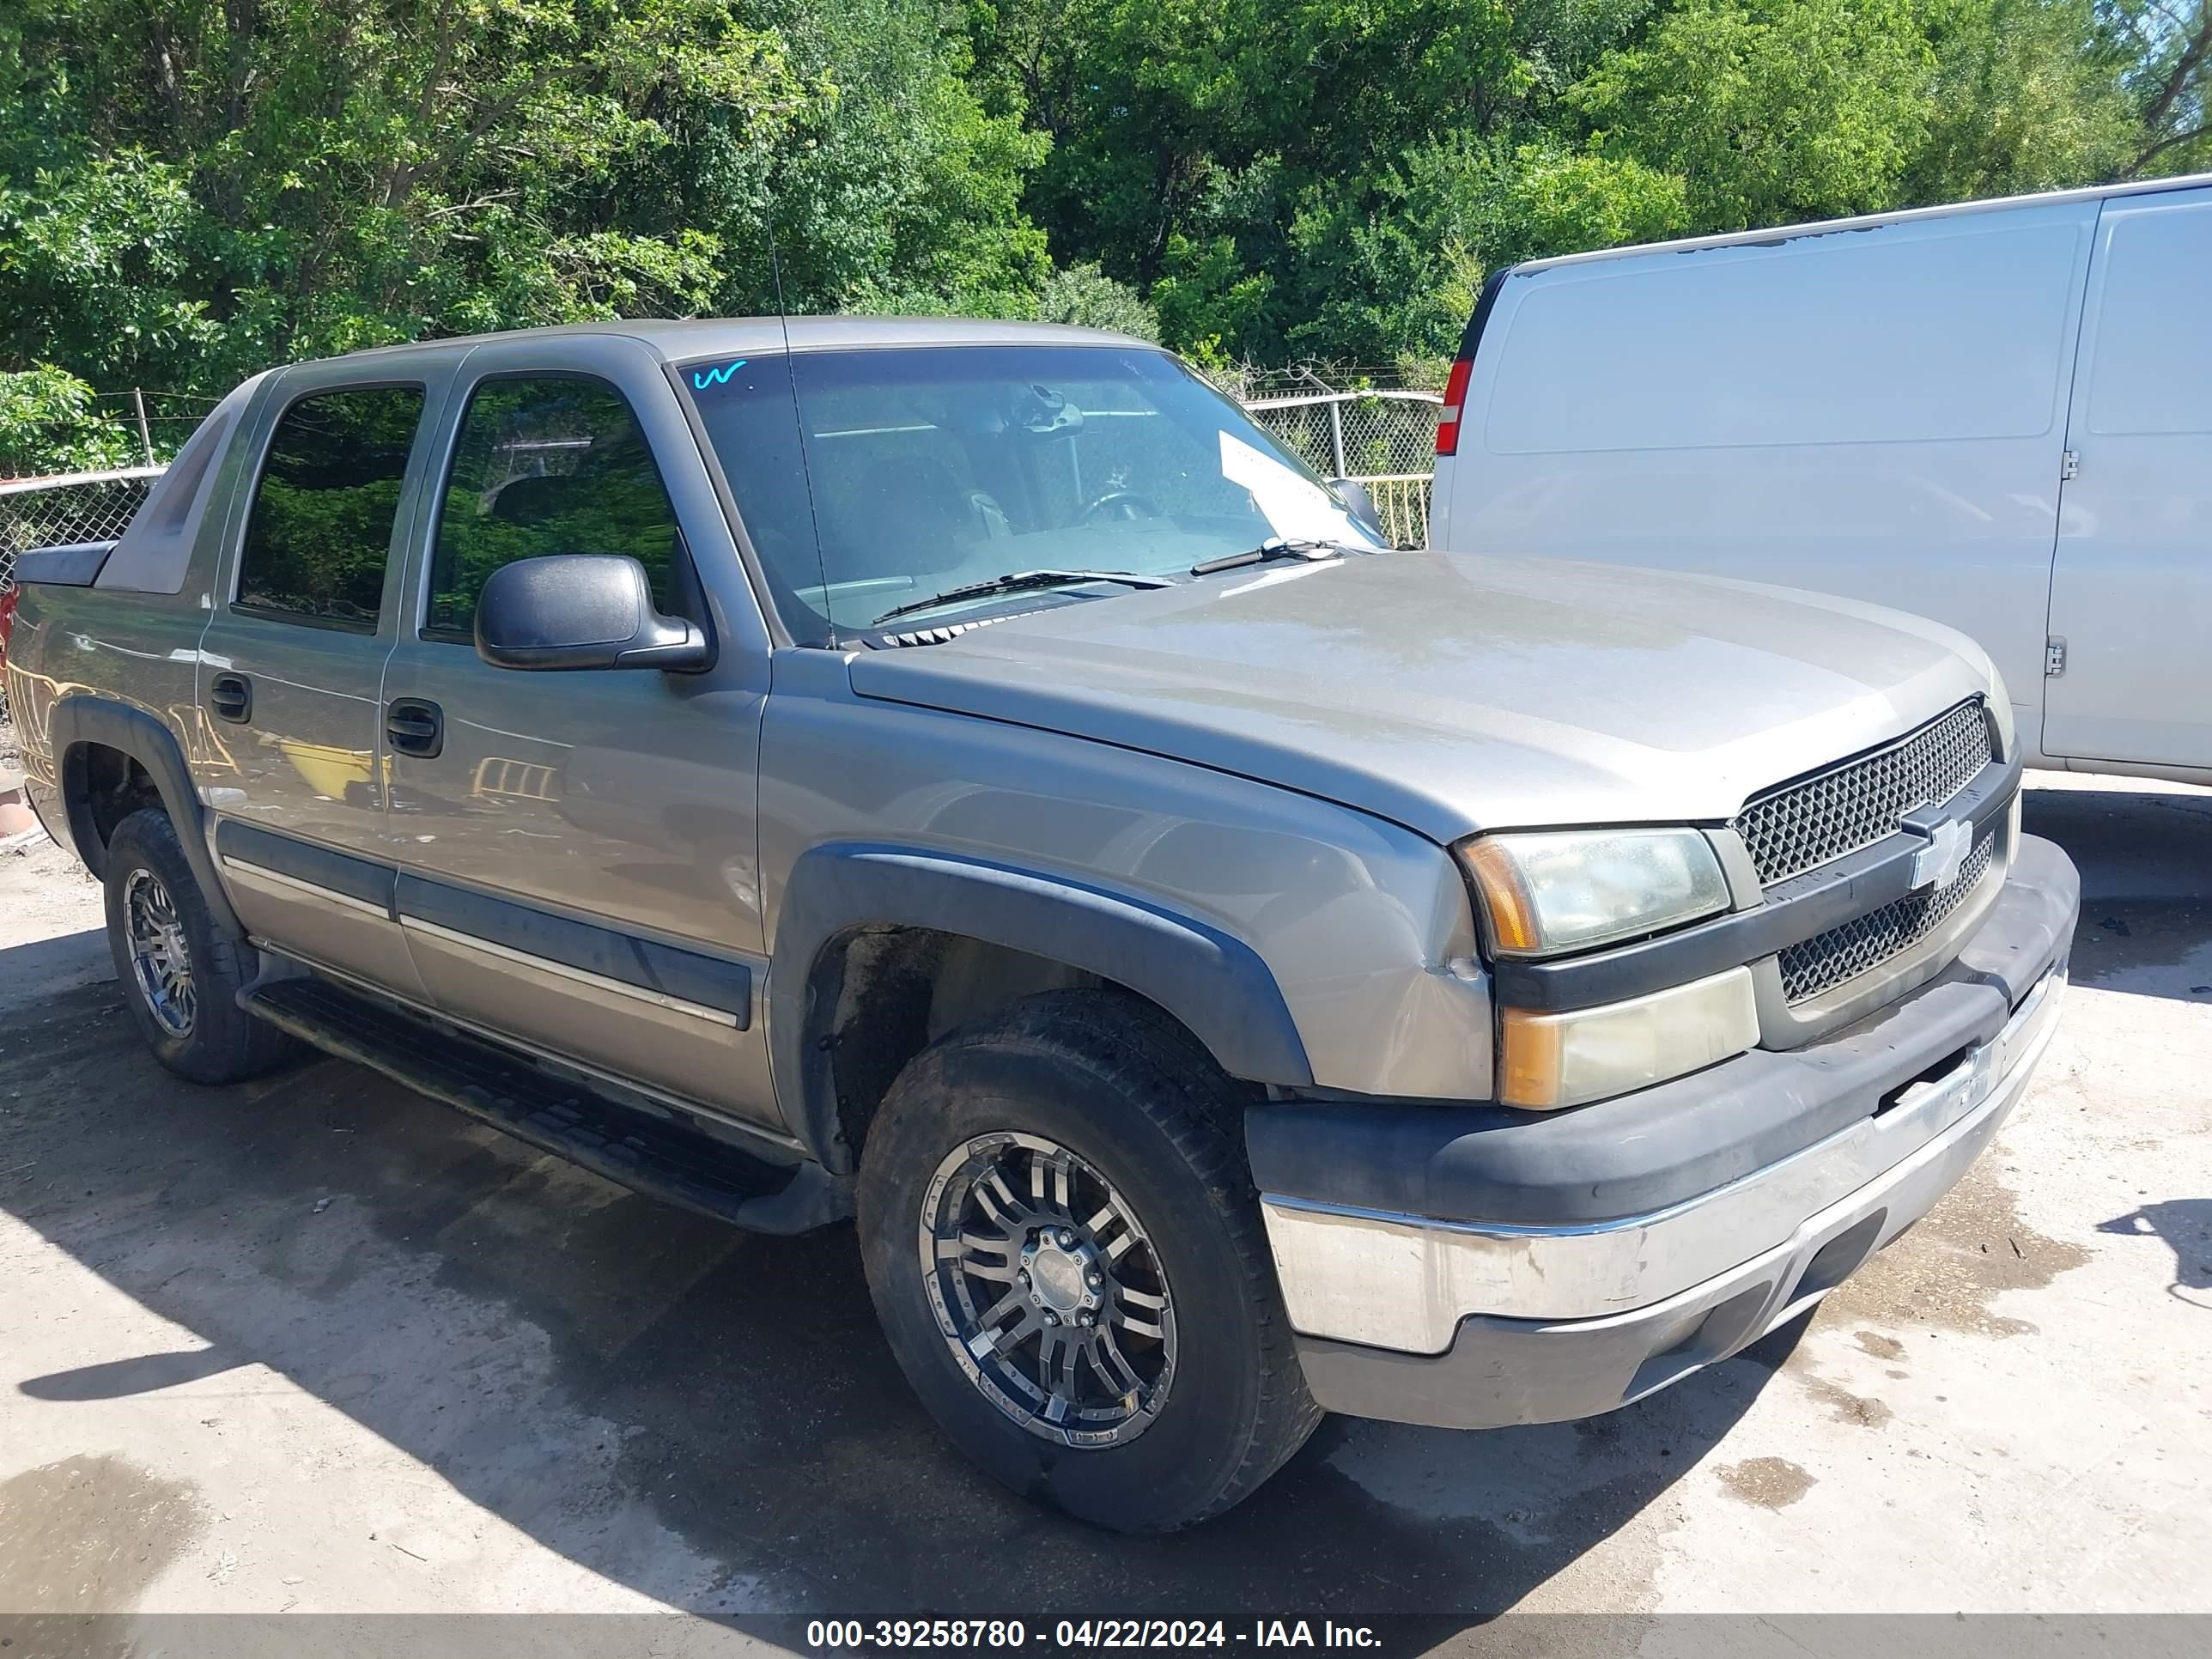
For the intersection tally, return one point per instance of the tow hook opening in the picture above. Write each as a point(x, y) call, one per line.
point(1934, 1073)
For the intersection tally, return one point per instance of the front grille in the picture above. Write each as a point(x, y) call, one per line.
point(1805, 824)
point(1827, 960)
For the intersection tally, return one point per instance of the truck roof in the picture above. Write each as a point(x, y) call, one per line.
point(678, 339)
point(1774, 235)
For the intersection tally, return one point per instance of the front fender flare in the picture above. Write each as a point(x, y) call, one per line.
point(1213, 982)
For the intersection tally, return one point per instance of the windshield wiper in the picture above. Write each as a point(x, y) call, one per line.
point(1015, 583)
point(1275, 547)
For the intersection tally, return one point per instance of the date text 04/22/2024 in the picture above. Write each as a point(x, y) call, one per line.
point(829, 1635)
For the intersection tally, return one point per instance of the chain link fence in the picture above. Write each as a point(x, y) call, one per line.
point(1384, 440)
point(79, 506)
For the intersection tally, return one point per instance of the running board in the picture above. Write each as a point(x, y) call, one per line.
point(661, 1156)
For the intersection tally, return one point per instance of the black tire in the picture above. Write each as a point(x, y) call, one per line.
point(223, 1043)
point(1112, 1080)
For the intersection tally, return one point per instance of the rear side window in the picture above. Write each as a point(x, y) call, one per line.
point(320, 529)
point(541, 465)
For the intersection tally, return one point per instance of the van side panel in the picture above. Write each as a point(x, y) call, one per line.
point(1876, 412)
point(2131, 590)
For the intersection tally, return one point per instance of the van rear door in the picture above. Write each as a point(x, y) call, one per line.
point(2131, 588)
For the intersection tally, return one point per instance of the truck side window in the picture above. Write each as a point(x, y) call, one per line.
point(543, 465)
point(320, 528)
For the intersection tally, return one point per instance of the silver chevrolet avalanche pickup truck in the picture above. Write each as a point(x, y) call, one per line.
point(972, 781)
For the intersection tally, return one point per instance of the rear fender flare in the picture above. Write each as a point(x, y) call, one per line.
point(78, 720)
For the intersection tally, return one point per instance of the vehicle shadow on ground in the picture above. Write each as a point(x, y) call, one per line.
point(2185, 1226)
point(2146, 865)
point(2129, 843)
point(33, 972)
point(398, 1261)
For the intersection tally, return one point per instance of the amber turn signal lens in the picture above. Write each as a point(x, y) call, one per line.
point(1505, 900)
point(1528, 1054)
point(1545, 1062)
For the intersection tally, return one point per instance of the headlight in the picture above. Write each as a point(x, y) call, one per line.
point(1559, 891)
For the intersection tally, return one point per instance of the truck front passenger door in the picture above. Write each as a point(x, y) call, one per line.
point(578, 850)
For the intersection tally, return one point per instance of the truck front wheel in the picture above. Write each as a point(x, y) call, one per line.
point(179, 975)
point(1066, 1253)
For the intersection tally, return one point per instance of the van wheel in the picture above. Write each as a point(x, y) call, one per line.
point(180, 977)
point(1066, 1253)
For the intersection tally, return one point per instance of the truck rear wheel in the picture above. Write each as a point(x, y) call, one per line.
point(1066, 1253)
point(179, 975)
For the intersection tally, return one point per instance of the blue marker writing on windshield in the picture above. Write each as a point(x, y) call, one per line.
point(702, 380)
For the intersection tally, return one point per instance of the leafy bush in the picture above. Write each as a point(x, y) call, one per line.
point(1085, 295)
point(49, 424)
point(190, 192)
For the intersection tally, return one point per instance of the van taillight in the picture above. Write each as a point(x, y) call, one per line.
point(1448, 416)
point(8, 597)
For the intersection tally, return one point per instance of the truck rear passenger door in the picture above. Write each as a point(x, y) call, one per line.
point(292, 663)
point(579, 850)
point(2131, 589)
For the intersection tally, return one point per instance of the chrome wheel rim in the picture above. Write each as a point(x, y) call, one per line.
point(1048, 1290)
point(161, 961)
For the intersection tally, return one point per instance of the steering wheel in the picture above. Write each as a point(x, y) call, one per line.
point(1127, 505)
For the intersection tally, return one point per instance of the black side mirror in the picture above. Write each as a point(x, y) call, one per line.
point(582, 611)
point(1359, 502)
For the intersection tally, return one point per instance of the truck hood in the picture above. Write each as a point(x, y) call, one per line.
point(1455, 694)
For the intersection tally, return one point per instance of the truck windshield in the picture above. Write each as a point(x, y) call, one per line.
point(912, 471)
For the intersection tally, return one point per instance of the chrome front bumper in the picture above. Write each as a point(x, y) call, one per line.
point(1467, 1325)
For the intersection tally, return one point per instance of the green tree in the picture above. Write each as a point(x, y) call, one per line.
point(1326, 178)
point(1394, 269)
point(2025, 98)
point(2164, 48)
point(1086, 297)
point(1768, 111)
point(898, 188)
point(192, 189)
point(49, 423)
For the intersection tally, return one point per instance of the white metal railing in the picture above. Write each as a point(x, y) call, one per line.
point(1386, 441)
point(1402, 503)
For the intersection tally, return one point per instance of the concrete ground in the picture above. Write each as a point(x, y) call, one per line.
point(317, 1344)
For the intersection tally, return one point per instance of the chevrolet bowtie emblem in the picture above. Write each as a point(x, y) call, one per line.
point(1938, 863)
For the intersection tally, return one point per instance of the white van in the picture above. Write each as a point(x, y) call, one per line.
point(1998, 415)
